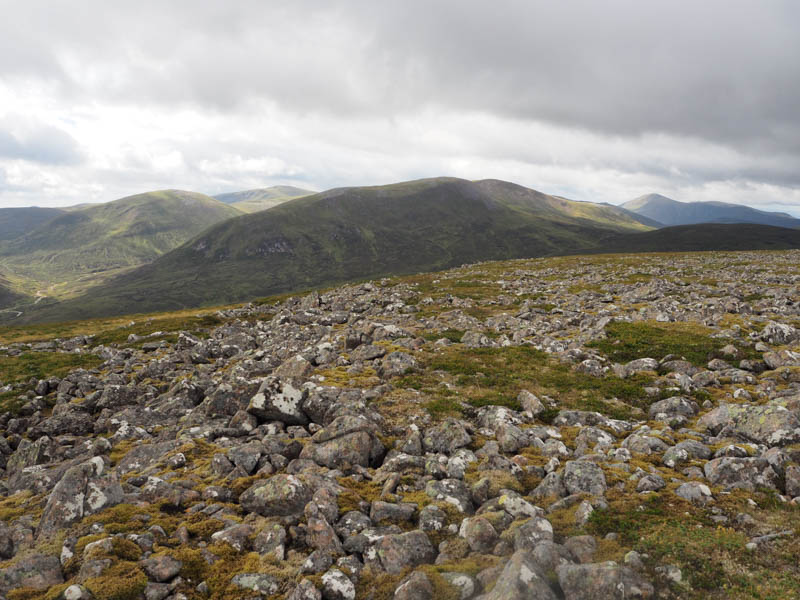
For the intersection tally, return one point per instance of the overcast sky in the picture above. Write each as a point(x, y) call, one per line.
point(592, 100)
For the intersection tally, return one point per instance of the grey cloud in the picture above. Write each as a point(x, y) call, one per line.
point(717, 73)
point(43, 144)
point(716, 69)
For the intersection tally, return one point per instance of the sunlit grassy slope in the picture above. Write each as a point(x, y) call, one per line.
point(255, 200)
point(77, 248)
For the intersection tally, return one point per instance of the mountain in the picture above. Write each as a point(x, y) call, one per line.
point(698, 237)
point(76, 249)
point(354, 233)
point(672, 212)
point(16, 222)
point(256, 200)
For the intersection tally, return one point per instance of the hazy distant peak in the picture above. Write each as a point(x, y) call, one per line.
point(672, 212)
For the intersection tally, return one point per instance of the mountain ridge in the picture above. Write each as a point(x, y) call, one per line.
point(356, 232)
point(674, 212)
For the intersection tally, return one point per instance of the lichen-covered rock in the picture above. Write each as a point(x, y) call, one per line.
point(399, 552)
point(395, 364)
point(305, 590)
point(161, 568)
point(520, 580)
point(684, 451)
point(337, 586)
point(280, 495)
point(792, 478)
point(598, 581)
point(534, 531)
point(348, 440)
point(695, 492)
point(772, 424)
point(479, 534)
point(584, 476)
point(262, 583)
point(416, 586)
point(37, 571)
point(452, 491)
point(278, 400)
point(741, 473)
point(80, 492)
point(445, 437)
point(780, 334)
point(672, 408)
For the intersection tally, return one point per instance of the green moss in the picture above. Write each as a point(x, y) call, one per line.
point(122, 581)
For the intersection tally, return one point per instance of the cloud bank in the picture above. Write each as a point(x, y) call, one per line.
point(595, 101)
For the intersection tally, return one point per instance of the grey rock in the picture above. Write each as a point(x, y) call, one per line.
point(336, 586)
point(584, 476)
point(416, 586)
point(280, 495)
point(695, 492)
point(399, 552)
point(741, 473)
point(445, 437)
point(257, 582)
point(520, 580)
point(38, 571)
point(278, 400)
point(602, 580)
point(161, 568)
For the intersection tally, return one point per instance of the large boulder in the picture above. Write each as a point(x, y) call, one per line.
point(780, 334)
point(741, 473)
point(772, 424)
point(602, 581)
point(401, 551)
point(520, 580)
point(584, 476)
point(280, 495)
point(37, 571)
point(278, 400)
point(82, 491)
point(347, 441)
point(446, 437)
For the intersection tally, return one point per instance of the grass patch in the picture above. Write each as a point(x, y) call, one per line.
point(494, 376)
point(628, 341)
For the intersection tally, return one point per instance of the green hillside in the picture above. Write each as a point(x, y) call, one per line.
point(16, 222)
point(76, 249)
point(251, 201)
point(352, 233)
point(701, 237)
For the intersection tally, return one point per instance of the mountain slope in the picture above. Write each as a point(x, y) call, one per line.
point(700, 237)
point(672, 212)
point(256, 200)
point(353, 233)
point(80, 246)
point(16, 222)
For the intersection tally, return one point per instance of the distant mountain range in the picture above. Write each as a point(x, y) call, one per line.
point(671, 212)
point(78, 248)
point(16, 222)
point(172, 249)
point(351, 233)
point(251, 201)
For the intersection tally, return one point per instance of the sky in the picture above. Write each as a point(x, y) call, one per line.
point(600, 101)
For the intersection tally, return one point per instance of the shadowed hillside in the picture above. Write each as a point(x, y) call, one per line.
point(707, 236)
point(16, 222)
point(353, 233)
